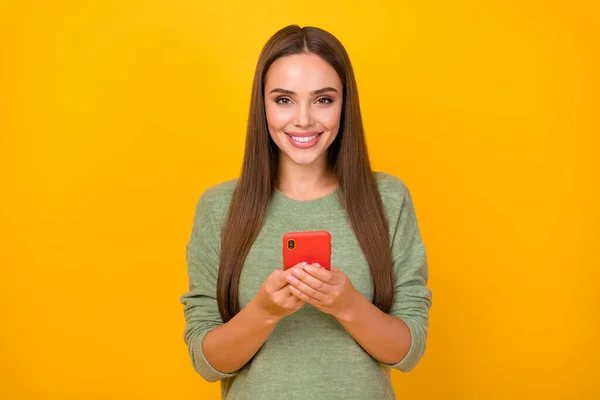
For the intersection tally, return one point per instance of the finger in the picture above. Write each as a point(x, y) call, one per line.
point(292, 301)
point(282, 275)
point(299, 304)
point(319, 272)
point(279, 279)
point(282, 294)
point(290, 288)
point(307, 290)
point(303, 297)
point(316, 284)
point(295, 304)
point(275, 281)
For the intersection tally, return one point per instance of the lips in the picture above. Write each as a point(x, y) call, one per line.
point(303, 134)
point(303, 140)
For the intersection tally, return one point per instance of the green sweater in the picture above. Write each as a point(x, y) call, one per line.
point(309, 355)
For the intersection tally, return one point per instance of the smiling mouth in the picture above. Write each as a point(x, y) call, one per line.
point(304, 139)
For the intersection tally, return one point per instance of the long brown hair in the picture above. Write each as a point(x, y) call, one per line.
point(347, 158)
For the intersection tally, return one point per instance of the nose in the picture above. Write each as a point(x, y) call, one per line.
point(303, 117)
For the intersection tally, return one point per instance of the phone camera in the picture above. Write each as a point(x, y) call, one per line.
point(291, 244)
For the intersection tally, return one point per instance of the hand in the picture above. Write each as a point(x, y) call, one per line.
point(329, 291)
point(274, 297)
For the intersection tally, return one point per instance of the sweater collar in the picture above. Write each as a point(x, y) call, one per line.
point(328, 203)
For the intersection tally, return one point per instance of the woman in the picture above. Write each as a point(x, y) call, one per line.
point(306, 333)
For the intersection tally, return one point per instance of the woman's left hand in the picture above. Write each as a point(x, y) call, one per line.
point(329, 291)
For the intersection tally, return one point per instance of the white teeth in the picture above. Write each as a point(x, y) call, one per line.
point(304, 139)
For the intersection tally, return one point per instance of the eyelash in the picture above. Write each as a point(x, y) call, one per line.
point(329, 101)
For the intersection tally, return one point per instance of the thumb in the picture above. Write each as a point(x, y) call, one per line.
point(279, 279)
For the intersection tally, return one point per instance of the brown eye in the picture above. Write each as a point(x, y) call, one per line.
point(325, 100)
point(282, 100)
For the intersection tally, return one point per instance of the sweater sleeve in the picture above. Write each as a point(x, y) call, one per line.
point(412, 298)
point(200, 304)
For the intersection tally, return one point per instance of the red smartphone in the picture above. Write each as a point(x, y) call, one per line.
point(309, 246)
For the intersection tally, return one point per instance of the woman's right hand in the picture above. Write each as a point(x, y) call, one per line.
point(274, 297)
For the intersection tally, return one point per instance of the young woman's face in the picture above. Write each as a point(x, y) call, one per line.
point(303, 103)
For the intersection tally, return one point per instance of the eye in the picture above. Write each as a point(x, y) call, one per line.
point(282, 100)
point(325, 100)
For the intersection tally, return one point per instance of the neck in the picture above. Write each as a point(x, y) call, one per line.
point(305, 182)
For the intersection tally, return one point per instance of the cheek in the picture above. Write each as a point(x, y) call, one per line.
point(276, 117)
point(331, 118)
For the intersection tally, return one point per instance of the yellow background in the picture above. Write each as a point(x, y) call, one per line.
point(116, 115)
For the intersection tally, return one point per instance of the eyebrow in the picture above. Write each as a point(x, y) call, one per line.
point(289, 92)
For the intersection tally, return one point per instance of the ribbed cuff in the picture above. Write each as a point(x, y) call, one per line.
point(201, 364)
point(410, 359)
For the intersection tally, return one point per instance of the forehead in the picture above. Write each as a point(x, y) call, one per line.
point(301, 73)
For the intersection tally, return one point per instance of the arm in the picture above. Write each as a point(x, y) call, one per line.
point(385, 337)
point(397, 339)
point(241, 338)
point(216, 349)
point(412, 297)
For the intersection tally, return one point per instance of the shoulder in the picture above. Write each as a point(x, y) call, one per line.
point(400, 211)
point(392, 189)
point(215, 200)
point(219, 193)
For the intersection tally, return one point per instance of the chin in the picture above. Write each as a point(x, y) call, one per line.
point(304, 156)
point(301, 159)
